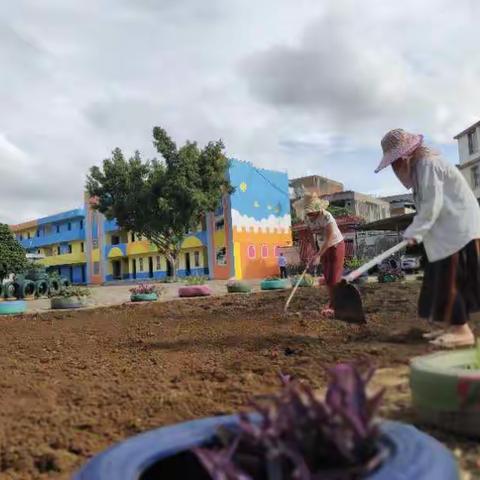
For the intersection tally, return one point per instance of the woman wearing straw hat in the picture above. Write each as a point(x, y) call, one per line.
point(448, 224)
point(313, 211)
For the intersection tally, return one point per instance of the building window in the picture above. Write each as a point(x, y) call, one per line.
point(472, 142)
point(277, 251)
point(69, 226)
point(115, 240)
point(81, 224)
point(221, 256)
point(38, 233)
point(28, 235)
point(140, 264)
point(96, 268)
point(39, 251)
point(21, 237)
point(264, 251)
point(196, 259)
point(159, 263)
point(59, 252)
point(82, 247)
point(252, 251)
point(220, 224)
point(475, 176)
point(70, 249)
point(57, 227)
point(133, 237)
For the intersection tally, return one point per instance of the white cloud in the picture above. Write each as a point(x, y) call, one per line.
point(271, 222)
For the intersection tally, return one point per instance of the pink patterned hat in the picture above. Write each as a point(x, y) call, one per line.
point(397, 144)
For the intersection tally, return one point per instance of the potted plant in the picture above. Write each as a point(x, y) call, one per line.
point(237, 286)
point(144, 293)
point(70, 297)
point(307, 280)
point(274, 283)
point(291, 435)
point(195, 287)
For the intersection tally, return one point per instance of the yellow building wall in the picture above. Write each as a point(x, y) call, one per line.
point(77, 256)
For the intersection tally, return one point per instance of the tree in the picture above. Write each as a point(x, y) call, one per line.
point(161, 200)
point(13, 257)
point(338, 211)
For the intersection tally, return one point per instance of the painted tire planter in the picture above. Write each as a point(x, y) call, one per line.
point(195, 291)
point(42, 288)
point(65, 283)
point(446, 390)
point(63, 303)
point(28, 289)
point(143, 297)
point(239, 287)
point(412, 455)
point(278, 284)
point(13, 307)
point(54, 286)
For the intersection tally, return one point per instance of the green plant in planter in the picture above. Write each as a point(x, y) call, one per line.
point(195, 280)
point(273, 277)
point(68, 292)
point(144, 293)
point(354, 263)
point(307, 280)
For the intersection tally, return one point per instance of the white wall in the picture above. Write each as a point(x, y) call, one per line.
point(463, 148)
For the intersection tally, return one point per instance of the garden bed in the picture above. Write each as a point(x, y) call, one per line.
point(81, 380)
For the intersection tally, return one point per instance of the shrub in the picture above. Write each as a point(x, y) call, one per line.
point(73, 292)
point(354, 263)
point(195, 280)
point(273, 277)
point(307, 280)
point(12, 255)
point(143, 289)
point(299, 436)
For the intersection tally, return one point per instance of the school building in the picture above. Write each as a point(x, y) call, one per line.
point(240, 239)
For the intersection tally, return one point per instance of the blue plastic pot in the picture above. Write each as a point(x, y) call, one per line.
point(144, 297)
point(412, 455)
point(13, 307)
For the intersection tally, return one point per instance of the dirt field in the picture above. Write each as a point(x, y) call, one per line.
point(73, 383)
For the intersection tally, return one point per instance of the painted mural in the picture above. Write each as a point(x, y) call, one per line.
point(260, 219)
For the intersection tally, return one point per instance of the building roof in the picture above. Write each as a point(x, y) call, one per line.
point(58, 217)
point(398, 223)
point(350, 194)
point(471, 127)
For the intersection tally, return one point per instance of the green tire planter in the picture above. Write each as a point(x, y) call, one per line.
point(28, 289)
point(13, 307)
point(144, 297)
point(10, 290)
point(446, 390)
point(54, 286)
point(278, 284)
point(64, 283)
point(63, 303)
point(1, 291)
point(41, 288)
point(239, 287)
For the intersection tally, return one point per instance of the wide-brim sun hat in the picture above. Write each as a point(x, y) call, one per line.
point(397, 144)
point(314, 204)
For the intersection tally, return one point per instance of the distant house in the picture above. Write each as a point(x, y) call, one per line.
point(469, 153)
point(314, 184)
point(400, 204)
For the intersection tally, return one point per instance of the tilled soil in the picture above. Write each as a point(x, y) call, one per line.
point(73, 383)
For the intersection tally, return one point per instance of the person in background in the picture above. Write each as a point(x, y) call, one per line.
point(282, 264)
point(323, 240)
point(448, 224)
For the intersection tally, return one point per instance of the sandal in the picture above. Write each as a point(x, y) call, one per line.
point(450, 340)
point(327, 312)
point(433, 335)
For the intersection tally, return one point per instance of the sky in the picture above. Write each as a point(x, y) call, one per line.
point(304, 86)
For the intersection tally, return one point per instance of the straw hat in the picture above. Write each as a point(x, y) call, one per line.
point(397, 144)
point(309, 203)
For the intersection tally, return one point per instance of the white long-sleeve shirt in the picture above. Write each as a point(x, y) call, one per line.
point(448, 214)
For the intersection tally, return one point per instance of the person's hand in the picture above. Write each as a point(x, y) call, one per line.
point(411, 242)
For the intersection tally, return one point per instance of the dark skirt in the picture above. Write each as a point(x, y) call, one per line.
point(333, 261)
point(451, 287)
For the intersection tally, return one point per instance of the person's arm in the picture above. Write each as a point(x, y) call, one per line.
point(328, 238)
point(430, 201)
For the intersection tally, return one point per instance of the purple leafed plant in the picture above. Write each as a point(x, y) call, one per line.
point(143, 288)
point(297, 436)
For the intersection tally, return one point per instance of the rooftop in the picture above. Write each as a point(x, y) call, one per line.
point(471, 127)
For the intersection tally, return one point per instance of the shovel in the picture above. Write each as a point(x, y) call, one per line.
point(347, 302)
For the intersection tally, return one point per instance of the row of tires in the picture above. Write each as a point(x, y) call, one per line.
point(31, 289)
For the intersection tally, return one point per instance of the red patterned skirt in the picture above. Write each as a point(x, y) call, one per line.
point(332, 261)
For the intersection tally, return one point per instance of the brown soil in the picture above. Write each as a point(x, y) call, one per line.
point(75, 382)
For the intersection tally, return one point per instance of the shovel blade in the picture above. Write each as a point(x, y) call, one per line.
point(347, 303)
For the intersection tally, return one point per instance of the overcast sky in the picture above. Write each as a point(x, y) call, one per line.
point(307, 86)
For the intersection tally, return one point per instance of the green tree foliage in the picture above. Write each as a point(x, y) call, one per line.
point(12, 255)
point(339, 211)
point(161, 200)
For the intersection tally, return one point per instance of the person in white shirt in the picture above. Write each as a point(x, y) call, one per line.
point(321, 224)
point(282, 265)
point(448, 224)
